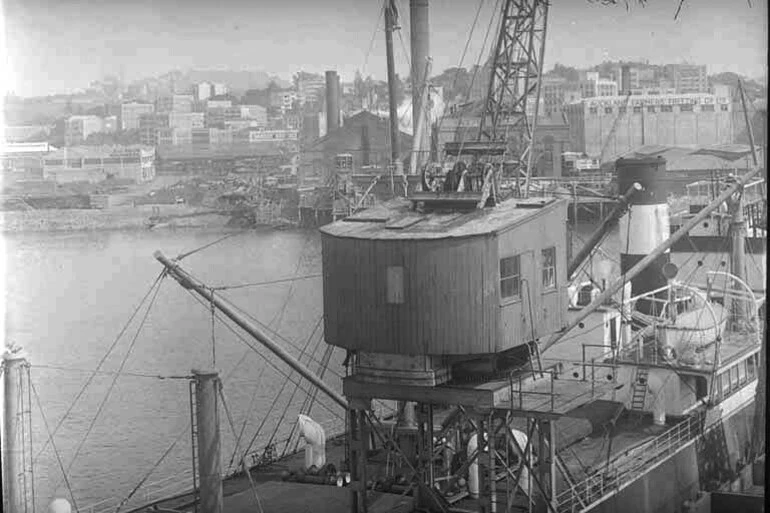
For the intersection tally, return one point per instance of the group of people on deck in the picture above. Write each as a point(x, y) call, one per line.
point(460, 177)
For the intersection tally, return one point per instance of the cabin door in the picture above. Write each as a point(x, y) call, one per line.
point(530, 291)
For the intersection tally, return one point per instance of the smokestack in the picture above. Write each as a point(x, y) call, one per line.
point(625, 79)
point(420, 39)
point(332, 101)
point(644, 227)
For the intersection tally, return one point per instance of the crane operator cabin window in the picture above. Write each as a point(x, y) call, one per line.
point(510, 277)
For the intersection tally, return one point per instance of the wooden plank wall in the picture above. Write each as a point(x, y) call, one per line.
point(450, 295)
point(548, 306)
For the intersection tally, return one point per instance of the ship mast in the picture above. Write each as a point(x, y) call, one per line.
point(391, 25)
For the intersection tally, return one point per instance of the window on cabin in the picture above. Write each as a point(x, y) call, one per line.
point(686, 108)
point(666, 108)
point(637, 109)
point(608, 110)
point(725, 384)
point(707, 108)
point(394, 281)
point(734, 378)
point(622, 110)
point(742, 373)
point(548, 256)
point(651, 109)
point(510, 277)
point(723, 107)
point(750, 365)
point(718, 389)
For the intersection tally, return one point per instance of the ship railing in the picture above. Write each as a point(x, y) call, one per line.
point(151, 492)
point(181, 483)
point(625, 467)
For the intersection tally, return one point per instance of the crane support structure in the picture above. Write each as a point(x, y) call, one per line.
point(513, 94)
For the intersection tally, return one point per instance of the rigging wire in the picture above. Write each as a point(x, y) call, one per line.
point(100, 408)
point(101, 362)
point(275, 401)
point(476, 70)
point(268, 282)
point(462, 58)
point(154, 467)
point(374, 36)
point(109, 373)
point(182, 256)
point(53, 445)
point(267, 360)
point(232, 428)
point(294, 392)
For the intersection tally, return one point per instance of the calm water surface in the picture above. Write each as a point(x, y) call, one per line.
point(69, 295)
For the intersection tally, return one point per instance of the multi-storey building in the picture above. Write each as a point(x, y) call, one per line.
point(130, 113)
point(219, 89)
point(593, 85)
point(149, 124)
point(687, 78)
point(552, 91)
point(254, 112)
point(310, 88)
point(202, 91)
point(96, 163)
point(218, 104)
point(610, 126)
point(186, 120)
point(78, 128)
point(175, 103)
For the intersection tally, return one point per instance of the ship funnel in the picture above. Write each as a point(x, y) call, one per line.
point(315, 438)
point(644, 227)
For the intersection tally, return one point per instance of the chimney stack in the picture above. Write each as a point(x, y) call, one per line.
point(332, 101)
point(625, 79)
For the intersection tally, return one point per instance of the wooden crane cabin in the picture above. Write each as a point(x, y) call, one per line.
point(418, 289)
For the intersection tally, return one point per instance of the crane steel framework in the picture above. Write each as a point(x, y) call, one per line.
point(517, 66)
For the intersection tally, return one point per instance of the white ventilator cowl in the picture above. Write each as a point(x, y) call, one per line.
point(59, 506)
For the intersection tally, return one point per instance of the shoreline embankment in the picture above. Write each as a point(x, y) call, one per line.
point(115, 218)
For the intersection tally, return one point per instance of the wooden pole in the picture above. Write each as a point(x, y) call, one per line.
point(13, 492)
point(187, 281)
point(207, 385)
point(390, 26)
point(643, 263)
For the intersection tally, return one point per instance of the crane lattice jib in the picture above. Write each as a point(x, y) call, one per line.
point(517, 66)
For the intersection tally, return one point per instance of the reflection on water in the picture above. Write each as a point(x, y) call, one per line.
point(69, 295)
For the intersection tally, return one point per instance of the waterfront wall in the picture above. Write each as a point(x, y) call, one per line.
point(122, 218)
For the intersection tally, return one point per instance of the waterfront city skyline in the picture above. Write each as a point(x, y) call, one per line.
point(54, 48)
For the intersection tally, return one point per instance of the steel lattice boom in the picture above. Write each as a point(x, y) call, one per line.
point(517, 65)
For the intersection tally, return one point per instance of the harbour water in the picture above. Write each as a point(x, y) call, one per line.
point(69, 295)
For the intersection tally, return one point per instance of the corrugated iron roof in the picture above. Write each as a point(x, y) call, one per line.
point(373, 223)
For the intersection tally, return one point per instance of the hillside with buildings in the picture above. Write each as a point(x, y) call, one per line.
point(219, 122)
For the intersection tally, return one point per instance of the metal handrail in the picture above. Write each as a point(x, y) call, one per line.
point(597, 485)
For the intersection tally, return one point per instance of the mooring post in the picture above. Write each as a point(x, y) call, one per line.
point(13, 491)
point(207, 385)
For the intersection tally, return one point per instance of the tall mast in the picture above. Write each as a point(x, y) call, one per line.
point(390, 25)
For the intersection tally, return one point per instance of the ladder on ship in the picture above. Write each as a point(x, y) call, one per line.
point(639, 393)
point(194, 442)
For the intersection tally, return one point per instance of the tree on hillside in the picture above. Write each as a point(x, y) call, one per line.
point(568, 73)
point(124, 138)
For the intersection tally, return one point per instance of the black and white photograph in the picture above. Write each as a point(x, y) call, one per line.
point(383, 256)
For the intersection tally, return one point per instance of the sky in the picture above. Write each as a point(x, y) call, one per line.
point(61, 45)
